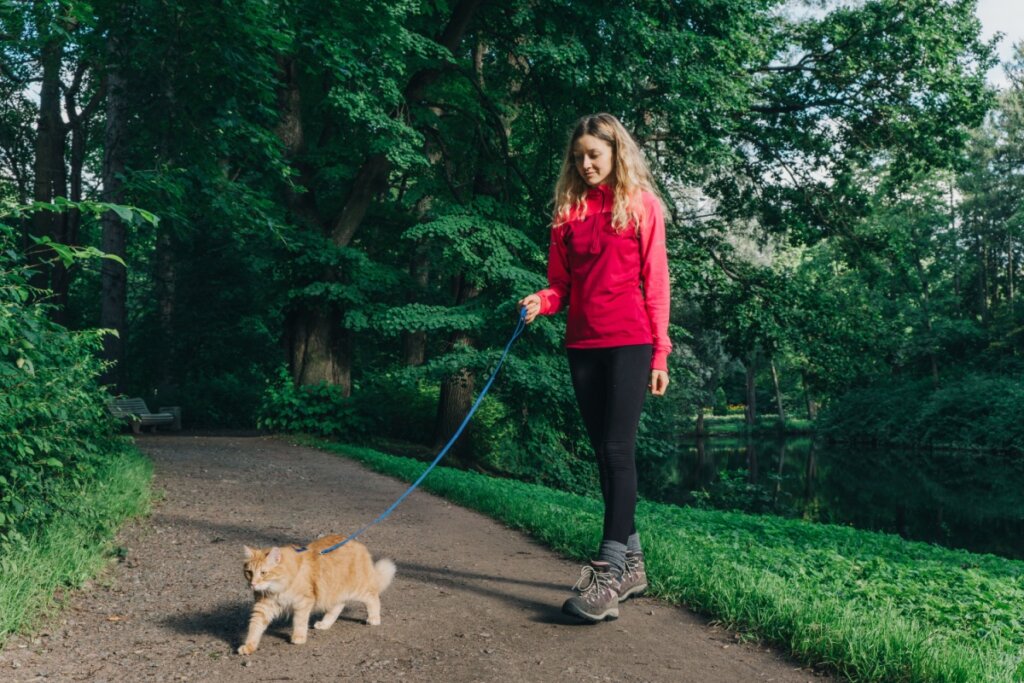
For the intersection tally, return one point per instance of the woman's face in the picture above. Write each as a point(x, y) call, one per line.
point(594, 159)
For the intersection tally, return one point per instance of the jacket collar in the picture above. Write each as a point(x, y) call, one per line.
point(600, 198)
point(604, 190)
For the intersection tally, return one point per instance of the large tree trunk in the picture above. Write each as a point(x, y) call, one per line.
point(78, 122)
point(71, 225)
point(452, 406)
point(114, 293)
point(316, 344)
point(48, 169)
point(315, 336)
point(456, 391)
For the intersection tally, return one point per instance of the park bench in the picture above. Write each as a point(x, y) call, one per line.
point(134, 410)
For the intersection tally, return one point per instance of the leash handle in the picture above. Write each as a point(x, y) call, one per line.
point(520, 326)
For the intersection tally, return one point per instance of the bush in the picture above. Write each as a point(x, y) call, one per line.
point(976, 410)
point(55, 432)
point(313, 408)
point(721, 405)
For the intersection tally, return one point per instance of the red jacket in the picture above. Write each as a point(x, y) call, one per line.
point(599, 275)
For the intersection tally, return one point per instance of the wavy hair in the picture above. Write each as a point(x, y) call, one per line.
point(630, 175)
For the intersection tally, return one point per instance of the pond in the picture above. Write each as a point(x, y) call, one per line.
point(957, 499)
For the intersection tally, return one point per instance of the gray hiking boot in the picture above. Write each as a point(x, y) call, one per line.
point(599, 593)
point(634, 577)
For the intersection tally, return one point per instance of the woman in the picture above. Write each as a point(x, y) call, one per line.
point(608, 242)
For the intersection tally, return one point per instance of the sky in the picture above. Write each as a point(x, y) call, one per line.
point(1006, 16)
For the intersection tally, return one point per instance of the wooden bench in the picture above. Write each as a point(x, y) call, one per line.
point(134, 410)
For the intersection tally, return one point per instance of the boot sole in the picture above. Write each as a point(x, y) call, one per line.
point(572, 610)
point(634, 591)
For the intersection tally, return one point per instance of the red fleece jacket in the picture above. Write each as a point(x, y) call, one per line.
point(599, 275)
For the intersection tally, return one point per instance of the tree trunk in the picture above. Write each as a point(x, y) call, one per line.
point(778, 393)
point(810, 473)
point(700, 420)
point(48, 169)
point(933, 360)
point(114, 293)
point(1009, 269)
point(452, 406)
point(457, 390)
point(812, 408)
point(751, 407)
point(72, 223)
point(313, 360)
point(414, 344)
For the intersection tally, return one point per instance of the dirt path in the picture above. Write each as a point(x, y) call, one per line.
point(472, 600)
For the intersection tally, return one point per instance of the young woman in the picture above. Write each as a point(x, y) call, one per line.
point(607, 262)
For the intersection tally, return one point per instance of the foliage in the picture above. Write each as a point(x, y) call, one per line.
point(805, 158)
point(55, 431)
point(313, 408)
point(974, 410)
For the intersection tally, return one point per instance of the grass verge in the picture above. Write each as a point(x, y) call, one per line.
point(75, 544)
point(866, 605)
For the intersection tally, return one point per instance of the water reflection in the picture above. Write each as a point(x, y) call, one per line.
point(954, 498)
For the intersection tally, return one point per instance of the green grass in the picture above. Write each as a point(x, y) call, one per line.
point(866, 605)
point(74, 545)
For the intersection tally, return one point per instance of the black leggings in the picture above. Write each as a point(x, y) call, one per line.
point(610, 385)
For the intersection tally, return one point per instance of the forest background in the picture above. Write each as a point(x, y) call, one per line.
point(324, 212)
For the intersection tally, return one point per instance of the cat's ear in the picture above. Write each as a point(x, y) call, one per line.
point(274, 556)
point(249, 552)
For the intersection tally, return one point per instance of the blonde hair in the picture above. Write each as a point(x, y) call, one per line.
point(629, 173)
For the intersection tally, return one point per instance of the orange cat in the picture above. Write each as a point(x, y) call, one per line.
point(284, 579)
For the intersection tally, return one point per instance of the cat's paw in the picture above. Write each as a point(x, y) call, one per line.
point(246, 649)
point(298, 639)
point(322, 625)
point(373, 622)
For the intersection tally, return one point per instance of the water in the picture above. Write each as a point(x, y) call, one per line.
point(954, 498)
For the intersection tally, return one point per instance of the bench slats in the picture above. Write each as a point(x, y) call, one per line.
point(136, 411)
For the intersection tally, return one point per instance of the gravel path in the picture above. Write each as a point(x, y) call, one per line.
point(472, 600)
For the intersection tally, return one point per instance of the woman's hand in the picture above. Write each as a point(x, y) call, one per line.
point(659, 382)
point(532, 306)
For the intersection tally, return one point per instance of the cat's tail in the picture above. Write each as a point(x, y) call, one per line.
point(385, 570)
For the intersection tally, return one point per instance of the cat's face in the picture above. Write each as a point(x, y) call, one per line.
point(263, 569)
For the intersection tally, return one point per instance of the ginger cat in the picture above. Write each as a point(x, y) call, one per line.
point(283, 579)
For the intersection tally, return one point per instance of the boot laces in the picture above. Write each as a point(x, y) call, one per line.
point(592, 581)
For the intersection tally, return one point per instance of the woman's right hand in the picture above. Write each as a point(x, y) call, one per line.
point(532, 306)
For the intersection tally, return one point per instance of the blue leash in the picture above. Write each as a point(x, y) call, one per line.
point(520, 326)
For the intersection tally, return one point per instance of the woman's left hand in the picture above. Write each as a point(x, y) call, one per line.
point(659, 382)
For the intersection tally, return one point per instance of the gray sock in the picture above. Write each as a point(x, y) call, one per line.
point(614, 553)
point(633, 543)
